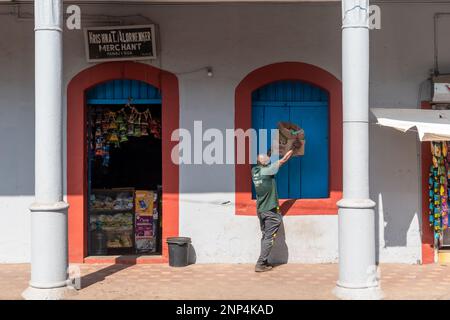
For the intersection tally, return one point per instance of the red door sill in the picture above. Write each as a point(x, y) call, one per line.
point(126, 259)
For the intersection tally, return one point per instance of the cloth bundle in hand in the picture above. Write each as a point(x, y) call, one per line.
point(291, 136)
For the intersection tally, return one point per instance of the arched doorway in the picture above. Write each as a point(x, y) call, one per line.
point(77, 165)
point(306, 105)
point(313, 76)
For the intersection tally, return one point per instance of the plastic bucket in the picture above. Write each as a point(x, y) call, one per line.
point(178, 251)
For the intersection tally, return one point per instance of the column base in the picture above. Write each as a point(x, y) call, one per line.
point(371, 293)
point(48, 294)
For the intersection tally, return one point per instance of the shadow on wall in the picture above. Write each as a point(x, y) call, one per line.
point(192, 255)
point(394, 230)
point(280, 253)
point(396, 227)
point(285, 206)
point(395, 186)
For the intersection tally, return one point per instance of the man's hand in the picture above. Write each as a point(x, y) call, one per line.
point(286, 157)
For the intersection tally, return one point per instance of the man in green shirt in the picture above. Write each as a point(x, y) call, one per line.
point(263, 176)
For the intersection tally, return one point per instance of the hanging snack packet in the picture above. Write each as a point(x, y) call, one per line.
point(144, 202)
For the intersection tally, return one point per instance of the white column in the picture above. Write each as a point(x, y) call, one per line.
point(49, 211)
point(357, 266)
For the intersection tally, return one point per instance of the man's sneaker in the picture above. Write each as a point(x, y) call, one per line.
point(262, 268)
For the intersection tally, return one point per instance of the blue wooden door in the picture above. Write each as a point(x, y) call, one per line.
point(306, 106)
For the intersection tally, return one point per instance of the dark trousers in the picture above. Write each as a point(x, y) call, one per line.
point(270, 222)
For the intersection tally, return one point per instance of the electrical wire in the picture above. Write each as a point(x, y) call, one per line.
point(206, 68)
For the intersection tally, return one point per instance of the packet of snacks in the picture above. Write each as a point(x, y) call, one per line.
point(144, 202)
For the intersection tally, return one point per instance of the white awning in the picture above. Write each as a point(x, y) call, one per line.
point(431, 125)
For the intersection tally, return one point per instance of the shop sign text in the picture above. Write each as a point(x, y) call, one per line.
point(120, 43)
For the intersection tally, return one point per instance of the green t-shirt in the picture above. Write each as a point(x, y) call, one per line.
point(265, 186)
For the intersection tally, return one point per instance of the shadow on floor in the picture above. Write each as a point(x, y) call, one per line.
point(101, 274)
point(120, 263)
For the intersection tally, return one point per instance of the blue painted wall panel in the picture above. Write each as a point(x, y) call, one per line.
point(126, 88)
point(109, 86)
point(314, 164)
point(135, 90)
point(307, 106)
point(272, 115)
point(118, 91)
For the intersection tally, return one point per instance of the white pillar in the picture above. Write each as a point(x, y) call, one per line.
point(357, 266)
point(49, 211)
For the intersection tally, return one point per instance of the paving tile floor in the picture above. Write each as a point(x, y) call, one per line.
point(232, 281)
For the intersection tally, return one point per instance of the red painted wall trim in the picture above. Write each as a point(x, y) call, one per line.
point(243, 115)
point(76, 146)
point(427, 232)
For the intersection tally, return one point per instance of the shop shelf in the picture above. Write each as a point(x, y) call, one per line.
point(110, 211)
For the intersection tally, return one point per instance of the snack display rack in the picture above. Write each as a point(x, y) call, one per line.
point(124, 221)
point(111, 211)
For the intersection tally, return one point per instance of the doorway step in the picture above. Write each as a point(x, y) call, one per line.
point(444, 256)
point(126, 259)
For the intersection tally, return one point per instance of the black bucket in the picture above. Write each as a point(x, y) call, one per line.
point(98, 243)
point(178, 251)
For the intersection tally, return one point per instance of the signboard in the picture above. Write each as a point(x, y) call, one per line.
point(120, 43)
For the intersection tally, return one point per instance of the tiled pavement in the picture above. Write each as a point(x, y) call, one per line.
point(233, 281)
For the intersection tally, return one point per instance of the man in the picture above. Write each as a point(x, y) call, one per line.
point(263, 176)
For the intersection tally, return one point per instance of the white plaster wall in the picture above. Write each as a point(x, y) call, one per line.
point(234, 40)
point(16, 142)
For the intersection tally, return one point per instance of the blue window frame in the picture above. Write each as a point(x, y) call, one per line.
point(306, 105)
point(120, 91)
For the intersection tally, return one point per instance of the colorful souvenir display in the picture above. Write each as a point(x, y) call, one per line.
point(438, 185)
point(111, 128)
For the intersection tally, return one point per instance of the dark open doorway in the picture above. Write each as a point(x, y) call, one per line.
point(124, 169)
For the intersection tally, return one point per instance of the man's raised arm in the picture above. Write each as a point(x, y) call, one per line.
point(285, 158)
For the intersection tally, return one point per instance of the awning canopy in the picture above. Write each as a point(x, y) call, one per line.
point(431, 125)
